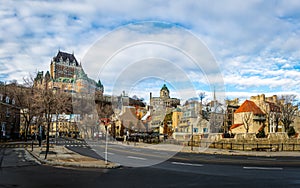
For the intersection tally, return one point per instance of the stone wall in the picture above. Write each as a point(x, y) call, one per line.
point(248, 142)
point(274, 142)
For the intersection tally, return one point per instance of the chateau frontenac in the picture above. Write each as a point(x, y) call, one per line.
point(66, 74)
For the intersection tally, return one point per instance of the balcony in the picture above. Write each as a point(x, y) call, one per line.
point(259, 118)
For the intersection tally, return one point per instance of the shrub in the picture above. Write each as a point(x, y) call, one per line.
point(261, 134)
point(291, 131)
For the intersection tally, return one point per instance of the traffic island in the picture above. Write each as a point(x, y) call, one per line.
point(61, 156)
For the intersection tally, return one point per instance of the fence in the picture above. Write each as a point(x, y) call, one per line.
point(246, 146)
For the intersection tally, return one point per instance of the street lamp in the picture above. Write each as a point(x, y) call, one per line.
point(192, 139)
point(105, 144)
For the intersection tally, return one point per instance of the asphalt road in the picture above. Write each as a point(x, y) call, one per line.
point(131, 156)
point(166, 174)
point(182, 170)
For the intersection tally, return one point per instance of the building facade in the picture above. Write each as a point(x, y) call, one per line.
point(160, 107)
point(249, 118)
point(9, 114)
point(164, 100)
point(67, 75)
point(271, 107)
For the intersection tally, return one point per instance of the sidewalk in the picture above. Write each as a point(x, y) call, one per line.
point(212, 151)
point(61, 156)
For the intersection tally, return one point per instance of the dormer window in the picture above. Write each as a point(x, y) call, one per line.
point(7, 99)
point(67, 61)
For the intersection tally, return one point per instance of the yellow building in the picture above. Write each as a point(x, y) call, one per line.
point(176, 117)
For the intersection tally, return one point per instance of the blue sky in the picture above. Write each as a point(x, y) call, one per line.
point(256, 44)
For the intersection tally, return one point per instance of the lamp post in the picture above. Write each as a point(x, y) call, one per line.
point(105, 144)
point(192, 140)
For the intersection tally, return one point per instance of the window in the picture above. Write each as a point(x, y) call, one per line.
point(7, 112)
point(7, 99)
point(13, 102)
point(1, 97)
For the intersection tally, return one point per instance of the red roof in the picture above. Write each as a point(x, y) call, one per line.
point(106, 121)
point(235, 125)
point(249, 106)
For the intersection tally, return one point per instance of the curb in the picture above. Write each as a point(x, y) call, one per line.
point(209, 151)
point(69, 164)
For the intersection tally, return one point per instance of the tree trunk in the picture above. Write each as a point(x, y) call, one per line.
point(47, 140)
point(27, 123)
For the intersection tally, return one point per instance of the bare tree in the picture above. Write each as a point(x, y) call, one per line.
point(246, 118)
point(84, 104)
point(47, 103)
point(24, 96)
point(63, 105)
point(288, 110)
point(276, 120)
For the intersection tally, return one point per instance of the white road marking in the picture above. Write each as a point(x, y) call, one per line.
point(261, 168)
point(132, 157)
point(109, 153)
point(162, 153)
point(136, 149)
point(262, 159)
point(186, 164)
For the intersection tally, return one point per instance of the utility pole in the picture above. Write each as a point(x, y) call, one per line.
point(192, 139)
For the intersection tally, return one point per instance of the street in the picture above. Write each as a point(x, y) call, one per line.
point(133, 155)
point(182, 170)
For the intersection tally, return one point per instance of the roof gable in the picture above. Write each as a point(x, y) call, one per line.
point(249, 106)
point(235, 126)
point(65, 56)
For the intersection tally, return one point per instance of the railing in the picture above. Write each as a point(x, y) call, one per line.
point(247, 146)
point(259, 118)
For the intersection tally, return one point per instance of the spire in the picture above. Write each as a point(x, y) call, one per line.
point(215, 99)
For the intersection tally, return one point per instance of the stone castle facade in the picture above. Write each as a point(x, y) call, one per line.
point(66, 74)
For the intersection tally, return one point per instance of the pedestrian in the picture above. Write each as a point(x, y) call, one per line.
point(127, 137)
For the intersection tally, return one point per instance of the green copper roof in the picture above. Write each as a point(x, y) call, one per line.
point(165, 87)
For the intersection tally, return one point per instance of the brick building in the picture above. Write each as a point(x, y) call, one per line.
point(9, 113)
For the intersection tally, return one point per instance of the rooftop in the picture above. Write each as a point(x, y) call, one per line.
point(65, 56)
point(249, 106)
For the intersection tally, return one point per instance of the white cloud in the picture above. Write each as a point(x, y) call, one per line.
point(255, 42)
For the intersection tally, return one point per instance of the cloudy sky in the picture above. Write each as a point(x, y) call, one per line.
point(256, 44)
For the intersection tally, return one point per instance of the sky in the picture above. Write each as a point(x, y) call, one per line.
point(253, 46)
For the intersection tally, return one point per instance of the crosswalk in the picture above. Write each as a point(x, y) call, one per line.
point(22, 145)
point(75, 143)
point(67, 142)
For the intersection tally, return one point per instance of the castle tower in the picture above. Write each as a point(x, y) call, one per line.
point(164, 92)
point(64, 65)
